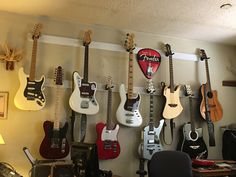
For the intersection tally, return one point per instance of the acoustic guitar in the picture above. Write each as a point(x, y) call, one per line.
point(214, 105)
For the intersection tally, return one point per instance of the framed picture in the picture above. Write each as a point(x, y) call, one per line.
point(3, 104)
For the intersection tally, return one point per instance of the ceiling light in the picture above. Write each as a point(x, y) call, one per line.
point(226, 6)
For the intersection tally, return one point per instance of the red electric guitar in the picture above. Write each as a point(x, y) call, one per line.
point(107, 143)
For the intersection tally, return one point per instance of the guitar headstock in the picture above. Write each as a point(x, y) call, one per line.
point(129, 42)
point(58, 75)
point(36, 31)
point(203, 55)
point(168, 51)
point(188, 90)
point(109, 84)
point(150, 87)
point(87, 37)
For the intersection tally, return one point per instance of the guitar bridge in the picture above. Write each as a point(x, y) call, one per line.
point(172, 105)
point(84, 104)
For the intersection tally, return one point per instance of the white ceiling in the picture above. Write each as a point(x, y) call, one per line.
point(191, 19)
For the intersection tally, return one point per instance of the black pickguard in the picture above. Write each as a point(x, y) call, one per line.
point(131, 104)
point(33, 91)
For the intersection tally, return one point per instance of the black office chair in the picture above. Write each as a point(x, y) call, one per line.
point(170, 164)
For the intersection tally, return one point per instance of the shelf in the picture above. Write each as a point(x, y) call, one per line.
point(230, 83)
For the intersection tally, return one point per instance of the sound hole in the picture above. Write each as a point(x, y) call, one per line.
point(209, 94)
point(193, 135)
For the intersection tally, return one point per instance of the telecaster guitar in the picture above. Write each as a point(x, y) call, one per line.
point(173, 107)
point(55, 144)
point(82, 99)
point(107, 142)
point(30, 94)
point(128, 111)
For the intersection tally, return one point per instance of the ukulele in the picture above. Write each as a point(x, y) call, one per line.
point(107, 143)
point(29, 95)
point(55, 144)
point(191, 140)
point(151, 134)
point(173, 107)
point(82, 99)
point(214, 105)
point(128, 110)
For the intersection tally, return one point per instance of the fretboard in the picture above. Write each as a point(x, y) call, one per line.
point(130, 76)
point(208, 75)
point(191, 114)
point(33, 60)
point(56, 123)
point(172, 88)
point(86, 63)
point(151, 120)
point(109, 111)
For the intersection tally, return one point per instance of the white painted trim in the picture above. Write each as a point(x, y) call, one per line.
point(65, 41)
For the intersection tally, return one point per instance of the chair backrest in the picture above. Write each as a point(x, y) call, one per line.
point(170, 164)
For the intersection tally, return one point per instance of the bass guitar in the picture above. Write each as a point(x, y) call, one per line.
point(151, 134)
point(173, 107)
point(128, 110)
point(215, 108)
point(30, 94)
point(107, 143)
point(191, 140)
point(55, 144)
point(82, 99)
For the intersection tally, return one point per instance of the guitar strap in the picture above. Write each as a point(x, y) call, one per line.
point(76, 125)
point(172, 126)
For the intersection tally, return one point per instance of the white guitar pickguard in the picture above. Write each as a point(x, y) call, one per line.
point(109, 134)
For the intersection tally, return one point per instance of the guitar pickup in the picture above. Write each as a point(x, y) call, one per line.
point(151, 141)
point(151, 132)
point(129, 121)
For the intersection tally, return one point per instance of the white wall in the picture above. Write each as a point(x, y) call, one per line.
point(24, 128)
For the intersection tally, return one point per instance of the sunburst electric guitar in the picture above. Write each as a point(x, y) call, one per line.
point(82, 99)
point(173, 107)
point(55, 144)
point(128, 111)
point(30, 95)
point(107, 141)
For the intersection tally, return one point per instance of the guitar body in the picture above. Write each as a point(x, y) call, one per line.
point(215, 108)
point(128, 111)
point(29, 95)
point(151, 141)
point(54, 144)
point(173, 107)
point(107, 143)
point(192, 142)
point(83, 100)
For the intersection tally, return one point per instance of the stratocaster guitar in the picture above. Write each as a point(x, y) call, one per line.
point(191, 140)
point(107, 143)
point(55, 144)
point(151, 134)
point(173, 107)
point(30, 94)
point(215, 108)
point(128, 111)
point(82, 99)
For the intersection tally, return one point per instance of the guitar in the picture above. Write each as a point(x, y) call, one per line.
point(29, 95)
point(128, 110)
point(173, 107)
point(215, 108)
point(82, 99)
point(191, 140)
point(55, 144)
point(107, 143)
point(151, 134)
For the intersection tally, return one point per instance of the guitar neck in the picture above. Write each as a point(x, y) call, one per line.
point(130, 76)
point(56, 123)
point(151, 120)
point(208, 75)
point(172, 88)
point(109, 102)
point(33, 61)
point(191, 114)
point(86, 62)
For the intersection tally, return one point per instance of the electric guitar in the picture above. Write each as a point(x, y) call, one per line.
point(107, 143)
point(215, 108)
point(173, 107)
point(82, 99)
point(55, 144)
point(151, 134)
point(128, 111)
point(191, 140)
point(30, 94)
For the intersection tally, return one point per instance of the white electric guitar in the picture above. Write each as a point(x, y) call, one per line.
point(83, 100)
point(30, 95)
point(128, 111)
point(173, 107)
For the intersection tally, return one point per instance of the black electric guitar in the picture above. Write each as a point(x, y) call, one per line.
point(55, 144)
point(191, 140)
